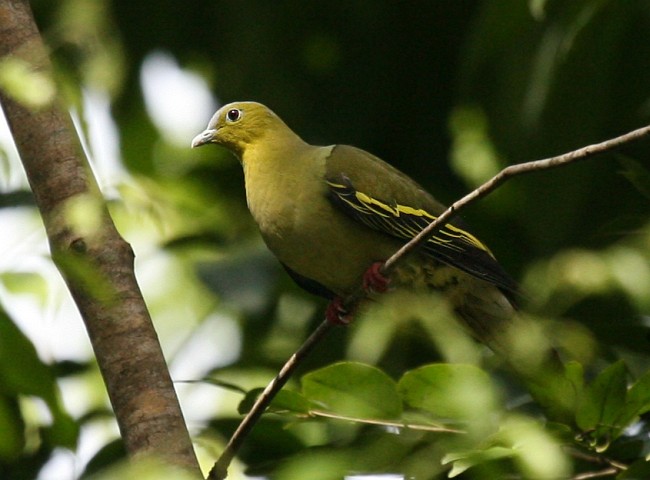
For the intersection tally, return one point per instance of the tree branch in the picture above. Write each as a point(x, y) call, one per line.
point(500, 178)
point(96, 263)
point(219, 471)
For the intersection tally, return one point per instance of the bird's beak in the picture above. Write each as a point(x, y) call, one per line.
point(206, 136)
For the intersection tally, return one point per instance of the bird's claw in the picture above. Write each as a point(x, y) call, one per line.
point(373, 280)
point(337, 314)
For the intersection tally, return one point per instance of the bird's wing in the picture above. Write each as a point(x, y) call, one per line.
point(377, 195)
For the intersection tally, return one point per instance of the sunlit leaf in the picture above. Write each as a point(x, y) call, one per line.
point(25, 283)
point(315, 465)
point(354, 390)
point(449, 390)
point(464, 460)
point(28, 86)
point(144, 469)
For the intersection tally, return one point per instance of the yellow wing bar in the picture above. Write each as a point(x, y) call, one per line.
point(403, 221)
point(451, 245)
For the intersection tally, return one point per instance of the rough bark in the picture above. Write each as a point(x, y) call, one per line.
point(95, 261)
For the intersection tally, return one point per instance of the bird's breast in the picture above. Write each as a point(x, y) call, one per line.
point(306, 232)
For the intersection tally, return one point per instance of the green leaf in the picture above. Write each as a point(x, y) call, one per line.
point(26, 283)
point(286, 401)
point(461, 461)
point(12, 427)
point(21, 371)
point(602, 404)
point(28, 86)
point(639, 469)
point(637, 174)
point(354, 390)
point(449, 390)
point(638, 396)
point(535, 452)
point(637, 402)
point(144, 468)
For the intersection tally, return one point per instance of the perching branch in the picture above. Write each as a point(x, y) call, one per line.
point(96, 263)
point(384, 423)
point(500, 178)
point(219, 471)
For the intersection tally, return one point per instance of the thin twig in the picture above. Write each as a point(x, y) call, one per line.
point(386, 423)
point(219, 471)
point(501, 177)
point(607, 472)
point(597, 459)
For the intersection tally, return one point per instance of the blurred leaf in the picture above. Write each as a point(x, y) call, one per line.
point(638, 470)
point(106, 456)
point(462, 461)
point(64, 431)
point(637, 174)
point(21, 198)
point(245, 280)
point(286, 401)
point(69, 368)
point(316, 465)
point(143, 468)
point(31, 283)
point(537, 8)
point(85, 271)
point(536, 453)
point(26, 85)
point(450, 390)
point(21, 371)
point(354, 390)
point(12, 427)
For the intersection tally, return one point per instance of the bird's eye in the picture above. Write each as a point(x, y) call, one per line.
point(233, 115)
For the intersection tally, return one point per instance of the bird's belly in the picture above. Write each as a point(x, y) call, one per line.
point(335, 252)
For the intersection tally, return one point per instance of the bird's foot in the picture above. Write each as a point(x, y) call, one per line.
point(373, 280)
point(337, 314)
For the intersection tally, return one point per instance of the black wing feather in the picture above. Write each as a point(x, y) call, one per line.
point(451, 245)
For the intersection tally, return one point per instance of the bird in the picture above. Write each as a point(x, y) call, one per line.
point(333, 214)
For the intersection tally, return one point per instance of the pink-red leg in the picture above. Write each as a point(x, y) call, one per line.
point(337, 314)
point(373, 280)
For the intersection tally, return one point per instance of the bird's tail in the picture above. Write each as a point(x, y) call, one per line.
point(521, 342)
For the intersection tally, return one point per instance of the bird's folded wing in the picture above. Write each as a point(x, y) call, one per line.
point(451, 245)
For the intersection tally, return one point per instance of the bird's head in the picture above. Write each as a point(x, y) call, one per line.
point(238, 125)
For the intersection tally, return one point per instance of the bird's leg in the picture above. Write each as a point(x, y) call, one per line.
point(337, 314)
point(373, 280)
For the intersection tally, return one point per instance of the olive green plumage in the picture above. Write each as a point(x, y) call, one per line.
point(329, 212)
